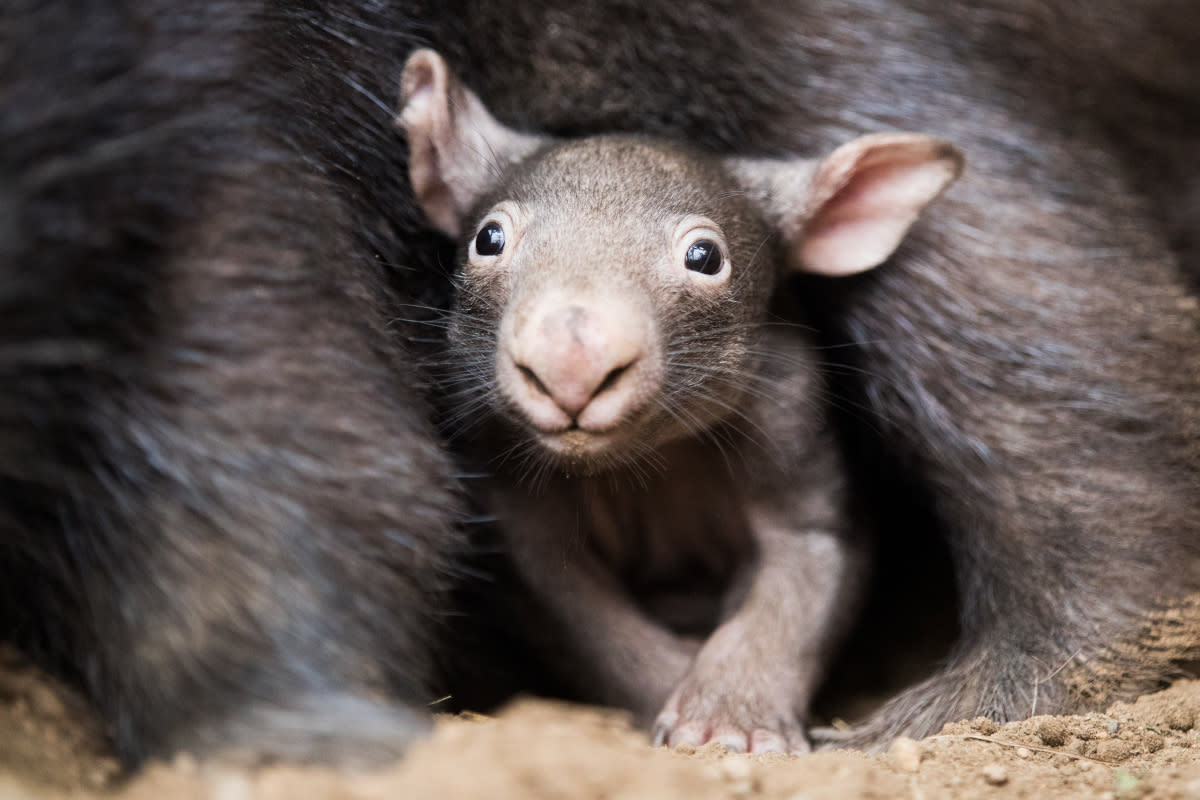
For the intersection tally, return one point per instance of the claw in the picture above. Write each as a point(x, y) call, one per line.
point(800, 746)
point(663, 726)
point(693, 733)
point(829, 735)
point(764, 741)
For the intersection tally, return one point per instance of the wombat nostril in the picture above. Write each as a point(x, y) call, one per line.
point(611, 378)
point(533, 379)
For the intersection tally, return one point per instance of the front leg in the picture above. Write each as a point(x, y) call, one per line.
point(751, 684)
point(597, 639)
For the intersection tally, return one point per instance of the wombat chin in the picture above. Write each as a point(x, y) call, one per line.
point(581, 453)
point(585, 452)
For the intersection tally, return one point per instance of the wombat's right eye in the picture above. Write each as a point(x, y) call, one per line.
point(704, 255)
point(490, 240)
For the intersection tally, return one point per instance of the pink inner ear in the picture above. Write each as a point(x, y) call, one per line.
point(456, 147)
point(418, 97)
point(881, 194)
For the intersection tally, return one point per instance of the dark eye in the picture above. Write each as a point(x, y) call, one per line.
point(490, 241)
point(703, 256)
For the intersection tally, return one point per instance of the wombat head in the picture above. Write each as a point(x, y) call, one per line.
point(612, 287)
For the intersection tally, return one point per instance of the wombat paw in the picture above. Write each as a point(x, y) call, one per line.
point(742, 724)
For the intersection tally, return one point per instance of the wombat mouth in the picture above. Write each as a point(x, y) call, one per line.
point(581, 452)
point(576, 443)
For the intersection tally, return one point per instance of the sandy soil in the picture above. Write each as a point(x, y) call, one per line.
point(50, 749)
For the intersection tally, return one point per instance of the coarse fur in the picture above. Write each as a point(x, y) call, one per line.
point(223, 510)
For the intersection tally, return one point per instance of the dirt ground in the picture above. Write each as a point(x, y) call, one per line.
point(50, 749)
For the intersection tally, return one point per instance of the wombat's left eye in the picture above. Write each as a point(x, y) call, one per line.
point(704, 256)
point(490, 240)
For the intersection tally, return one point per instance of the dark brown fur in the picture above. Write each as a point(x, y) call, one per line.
point(223, 512)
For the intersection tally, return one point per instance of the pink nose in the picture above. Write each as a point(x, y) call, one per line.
point(572, 355)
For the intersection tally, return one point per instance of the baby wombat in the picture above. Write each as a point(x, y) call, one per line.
point(666, 482)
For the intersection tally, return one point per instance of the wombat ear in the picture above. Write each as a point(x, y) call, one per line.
point(457, 149)
point(849, 212)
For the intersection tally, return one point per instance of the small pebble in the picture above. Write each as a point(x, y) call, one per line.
point(1113, 750)
point(1053, 732)
point(1182, 719)
point(1153, 742)
point(686, 748)
point(905, 754)
point(995, 775)
point(985, 726)
point(1024, 752)
point(1113, 727)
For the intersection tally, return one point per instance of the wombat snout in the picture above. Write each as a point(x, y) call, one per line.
point(578, 364)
